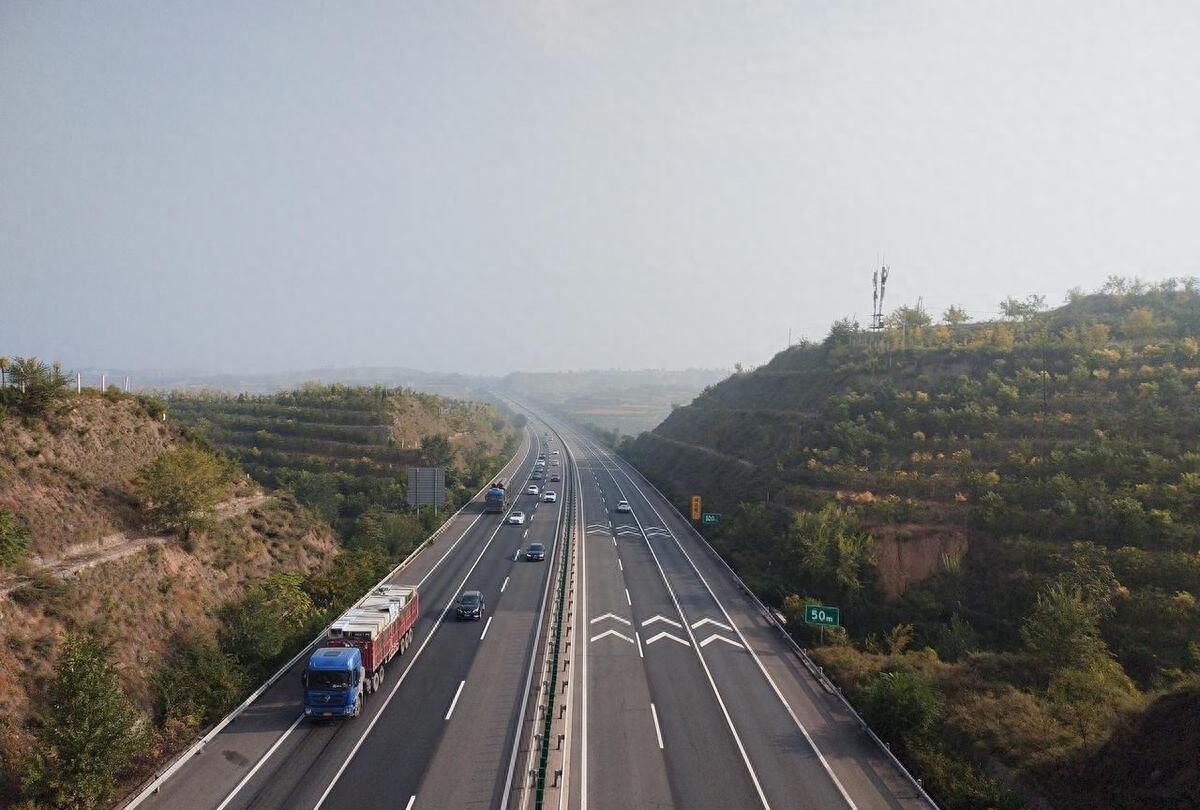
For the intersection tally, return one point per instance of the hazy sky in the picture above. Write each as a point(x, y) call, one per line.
point(499, 185)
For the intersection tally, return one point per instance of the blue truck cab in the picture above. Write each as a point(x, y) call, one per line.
point(333, 683)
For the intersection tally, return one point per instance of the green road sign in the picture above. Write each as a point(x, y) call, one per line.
point(710, 517)
point(823, 615)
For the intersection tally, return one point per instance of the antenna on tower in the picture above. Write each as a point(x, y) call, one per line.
point(879, 279)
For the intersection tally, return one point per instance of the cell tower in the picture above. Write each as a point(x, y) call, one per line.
point(879, 279)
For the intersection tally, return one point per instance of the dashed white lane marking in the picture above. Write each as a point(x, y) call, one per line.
point(485, 627)
point(454, 702)
point(503, 585)
point(411, 799)
point(657, 730)
point(639, 643)
point(627, 599)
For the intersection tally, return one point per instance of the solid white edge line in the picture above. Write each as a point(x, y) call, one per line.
point(260, 763)
point(485, 627)
point(657, 728)
point(454, 702)
point(779, 694)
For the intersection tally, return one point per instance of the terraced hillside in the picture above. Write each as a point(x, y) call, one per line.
point(344, 450)
point(1007, 512)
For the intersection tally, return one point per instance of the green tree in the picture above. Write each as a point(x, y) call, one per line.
point(258, 628)
point(14, 539)
point(1138, 322)
point(829, 550)
point(955, 315)
point(38, 385)
point(1062, 630)
point(181, 487)
point(436, 450)
point(88, 730)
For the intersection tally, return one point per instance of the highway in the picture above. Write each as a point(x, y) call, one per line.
point(445, 728)
point(685, 695)
point(688, 696)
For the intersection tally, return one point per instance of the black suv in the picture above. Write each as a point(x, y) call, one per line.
point(470, 605)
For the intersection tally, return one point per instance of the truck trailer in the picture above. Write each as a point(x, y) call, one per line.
point(350, 663)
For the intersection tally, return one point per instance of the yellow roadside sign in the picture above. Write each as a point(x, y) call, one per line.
point(695, 507)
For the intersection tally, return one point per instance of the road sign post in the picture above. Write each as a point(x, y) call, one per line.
point(427, 487)
point(824, 616)
point(695, 507)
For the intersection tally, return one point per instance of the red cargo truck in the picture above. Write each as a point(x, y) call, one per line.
point(380, 625)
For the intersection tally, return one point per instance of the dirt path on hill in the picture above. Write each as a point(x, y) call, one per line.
point(83, 556)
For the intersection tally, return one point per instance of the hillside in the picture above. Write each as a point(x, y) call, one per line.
point(1008, 512)
point(91, 564)
point(159, 559)
point(616, 401)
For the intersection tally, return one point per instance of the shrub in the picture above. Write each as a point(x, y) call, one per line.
point(14, 539)
point(901, 706)
point(196, 684)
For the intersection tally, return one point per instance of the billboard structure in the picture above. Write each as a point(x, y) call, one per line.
point(427, 486)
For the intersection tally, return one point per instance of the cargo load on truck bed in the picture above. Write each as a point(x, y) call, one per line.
point(496, 499)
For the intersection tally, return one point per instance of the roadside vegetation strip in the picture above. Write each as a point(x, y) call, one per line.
point(817, 672)
point(155, 783)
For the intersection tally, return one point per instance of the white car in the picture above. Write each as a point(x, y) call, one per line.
point(623, 506)
point(517, 518)
point(531, 490)
point(550, 496)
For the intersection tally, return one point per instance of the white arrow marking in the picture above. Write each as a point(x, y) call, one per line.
point(715, 637)
point(610, 616)
point(665, 634)
point(661, 619)
point(612, 633)
point(703, 622)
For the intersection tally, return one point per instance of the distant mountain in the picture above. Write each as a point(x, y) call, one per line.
point(627, 402)
point(444, 384)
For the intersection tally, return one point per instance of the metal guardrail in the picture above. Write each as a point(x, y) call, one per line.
point(555, 646)
point(817, 672)
point(152, 785)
